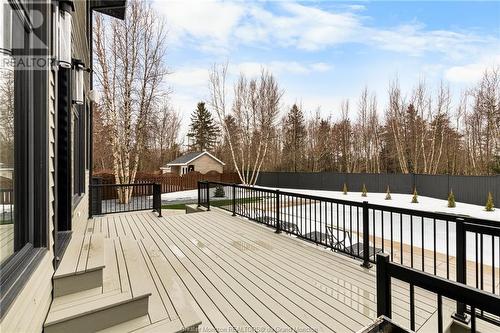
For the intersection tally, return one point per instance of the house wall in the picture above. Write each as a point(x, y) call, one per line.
point(28, 311)
point(205, 163)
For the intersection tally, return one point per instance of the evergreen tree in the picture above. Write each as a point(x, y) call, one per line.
point(203, 131)
point(388, 194)
point(219, 192)
point(294, 139)
point(415, 196)
point(451, 200)
point(364, 192)
point(490, 206)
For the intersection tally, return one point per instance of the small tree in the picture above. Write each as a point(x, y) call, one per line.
point(364, 192)
point(219, 192)
point(451, 200)
point(345, 189)
point(203, 131)
point(388, 194)
point(490, 206)
point(415, 196)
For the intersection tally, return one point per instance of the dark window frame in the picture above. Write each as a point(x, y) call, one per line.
point(79, 149)
point(31, 161)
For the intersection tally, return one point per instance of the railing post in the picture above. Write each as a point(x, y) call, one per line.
point(157, 198)
point(384, 306)
point(366, 236)
point(234, 199)
point(199, 193)
point(208, 195)
point(460, 267)
point(278, 221)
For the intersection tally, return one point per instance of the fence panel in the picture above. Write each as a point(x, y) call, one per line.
point(467, 189)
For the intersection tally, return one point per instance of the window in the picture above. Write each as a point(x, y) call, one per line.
point(79, 149)
point(23, 134)
point(7, 148)
point(16, 123)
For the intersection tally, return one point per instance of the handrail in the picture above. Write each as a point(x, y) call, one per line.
point(420, 213)
point(476, 298)
point(105, 198)
point(414, 238)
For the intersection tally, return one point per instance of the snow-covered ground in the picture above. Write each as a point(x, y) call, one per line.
point(181, 195)
point(404, 201)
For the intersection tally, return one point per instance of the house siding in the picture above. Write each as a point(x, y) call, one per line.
point(205, 164)
point(28, 311)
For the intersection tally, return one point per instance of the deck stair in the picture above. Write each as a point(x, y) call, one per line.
point(103, 285)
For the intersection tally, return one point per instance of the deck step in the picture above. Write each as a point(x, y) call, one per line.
point(82, 265)
point(96, 313)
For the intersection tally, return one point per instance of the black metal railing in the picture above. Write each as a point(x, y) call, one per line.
point(478, 300)
point(423, 240)
point(120, 198)
point(6, 206)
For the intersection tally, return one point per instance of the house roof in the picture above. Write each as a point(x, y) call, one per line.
point(188, 158)
point(114, 8)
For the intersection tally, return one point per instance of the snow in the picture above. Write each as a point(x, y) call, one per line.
point(404, 201)
point(181, 195)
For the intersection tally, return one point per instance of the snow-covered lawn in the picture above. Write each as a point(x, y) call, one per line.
point(404, 201)
point(181, 195)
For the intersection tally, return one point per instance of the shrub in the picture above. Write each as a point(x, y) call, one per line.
point(415, 196)
point(388, 194)
point(344, 189)
point(364, 193)
point(219, 192)
point(490, 206)
point(451, 200)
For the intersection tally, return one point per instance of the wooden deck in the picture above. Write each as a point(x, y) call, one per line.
point(6, 241)
point(240, 276)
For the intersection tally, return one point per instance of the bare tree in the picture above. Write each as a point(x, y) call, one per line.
point(129, 71)
point(254, 109)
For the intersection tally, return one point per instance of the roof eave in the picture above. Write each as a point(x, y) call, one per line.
point(114, 8)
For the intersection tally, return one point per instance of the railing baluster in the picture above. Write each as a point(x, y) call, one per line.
point(412, 307)
point(440, 313)
point(366, 236)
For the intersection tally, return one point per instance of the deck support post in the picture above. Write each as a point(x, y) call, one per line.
point(208, 195)
point(157, 198)
point(384, 306)
point(366, 236)
point(460, 315)
point(277, 210)
point(199, 193)
point(234, 199)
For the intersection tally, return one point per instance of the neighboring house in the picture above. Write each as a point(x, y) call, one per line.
point(46, 70)
point(202, 162)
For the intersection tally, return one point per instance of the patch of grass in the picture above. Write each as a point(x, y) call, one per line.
point(4, 222)
point(213, 203)
point(174, 206)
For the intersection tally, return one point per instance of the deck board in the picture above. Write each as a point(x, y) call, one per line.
point(240, 275)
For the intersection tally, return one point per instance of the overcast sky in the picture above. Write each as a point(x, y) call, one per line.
point(322, 52)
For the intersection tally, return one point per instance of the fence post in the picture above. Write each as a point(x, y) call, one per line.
point(460, 267)
point(384, 306)
point(234, 199)
point(278, 222)
point(366, 236)
point(199, 193)
point(157, 198)
point(208, 195)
